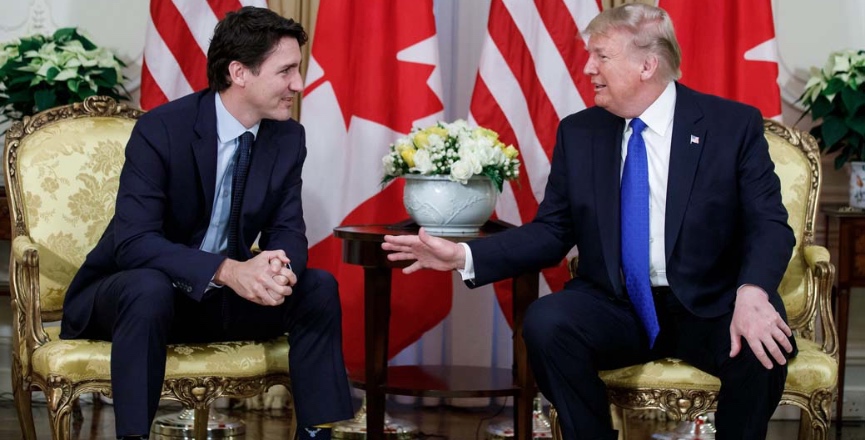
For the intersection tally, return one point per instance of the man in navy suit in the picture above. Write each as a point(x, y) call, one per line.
point(671, 199)
point(174, 264)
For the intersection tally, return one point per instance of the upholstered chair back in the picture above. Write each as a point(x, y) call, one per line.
point(66, 174)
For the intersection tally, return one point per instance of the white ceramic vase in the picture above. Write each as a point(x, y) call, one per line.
point(857, 184)
point(445, 207)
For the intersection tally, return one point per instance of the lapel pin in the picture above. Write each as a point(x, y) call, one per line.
point(695, 139)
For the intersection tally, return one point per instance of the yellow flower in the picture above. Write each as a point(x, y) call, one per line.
point(435, 129)
point(511, 152)
point(487, 133)
point(408, 156)
point(421, 139)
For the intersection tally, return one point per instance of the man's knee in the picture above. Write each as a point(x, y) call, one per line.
point(321, 287)
point(542, 322)
point(147, 294)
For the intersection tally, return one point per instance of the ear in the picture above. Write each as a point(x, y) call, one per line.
point(237, 73)
point(649, 69)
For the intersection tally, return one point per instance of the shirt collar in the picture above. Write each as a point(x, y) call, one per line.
point(658, 116)
point(227, 126)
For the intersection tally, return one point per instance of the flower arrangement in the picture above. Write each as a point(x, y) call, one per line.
point(835, 95)
point(454, 150)
point(39, 72)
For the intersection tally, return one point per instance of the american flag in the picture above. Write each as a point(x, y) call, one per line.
point(529, 78)
point(175, 46)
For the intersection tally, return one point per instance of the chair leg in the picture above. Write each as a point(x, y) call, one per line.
point(199, 424)
point(23, 396)
point(813, 426)
point(60, 415)
point(292, 427)
point(555, 424)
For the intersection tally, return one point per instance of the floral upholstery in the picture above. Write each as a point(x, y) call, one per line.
point(684, 392)
point(69, 175)
point(84, 359)
point(63, 170)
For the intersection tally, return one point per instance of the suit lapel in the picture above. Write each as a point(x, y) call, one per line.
point(607, 152)
point(204, 149)
point(689, 139)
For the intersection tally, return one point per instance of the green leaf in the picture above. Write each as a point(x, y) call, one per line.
point(52, 73)
point(19, 80)
point(64, 34)
point(856, 123)
point(73, 85)
point(853, 99)
point(841, 159)
point(820, 108)
point(834, 129)
point(834, 86)
point(45, 99)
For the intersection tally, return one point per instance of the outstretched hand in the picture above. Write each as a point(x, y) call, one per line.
point(759, 323)
point(429, 251)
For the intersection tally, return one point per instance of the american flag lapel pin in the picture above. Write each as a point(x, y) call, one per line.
point(695, 139)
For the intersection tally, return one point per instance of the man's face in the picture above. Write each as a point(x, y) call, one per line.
point(615, 67)
point(271, 92)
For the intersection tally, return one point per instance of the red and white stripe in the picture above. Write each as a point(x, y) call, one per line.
point(175, 47)
point(529, 78)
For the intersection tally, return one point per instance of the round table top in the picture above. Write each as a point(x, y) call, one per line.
point(408, 227)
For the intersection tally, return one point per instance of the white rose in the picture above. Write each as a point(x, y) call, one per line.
point(423, 162)
point(461, 171)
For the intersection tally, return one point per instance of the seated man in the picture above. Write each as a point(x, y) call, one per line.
point(204, 175)
point(671, 199)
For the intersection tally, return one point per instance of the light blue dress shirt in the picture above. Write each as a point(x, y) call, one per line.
point(228, 131)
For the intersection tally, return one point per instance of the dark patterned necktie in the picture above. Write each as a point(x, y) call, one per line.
point(634, 216)
point(238, 183)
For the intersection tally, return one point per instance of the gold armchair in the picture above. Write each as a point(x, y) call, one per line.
point(685, 392)
point(62, 170)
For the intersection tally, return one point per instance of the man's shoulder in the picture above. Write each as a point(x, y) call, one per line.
point(181, 111)
point(592, 117)
point(714, 105)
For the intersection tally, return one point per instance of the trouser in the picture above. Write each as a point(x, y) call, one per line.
point(571, 335)
point(140, 313)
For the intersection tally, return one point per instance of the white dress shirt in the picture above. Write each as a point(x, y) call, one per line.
point(658, 137)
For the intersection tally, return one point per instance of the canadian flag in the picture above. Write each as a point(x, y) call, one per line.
point(530, 77)
point(373, 74)
point(175, 46)
point(729, 50)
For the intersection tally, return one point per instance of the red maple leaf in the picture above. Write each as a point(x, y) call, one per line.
point(357, 45)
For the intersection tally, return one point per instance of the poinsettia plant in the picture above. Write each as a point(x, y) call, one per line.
point(42, 71)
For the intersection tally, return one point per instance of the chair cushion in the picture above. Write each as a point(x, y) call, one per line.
point(811, 370)
point(85, 359)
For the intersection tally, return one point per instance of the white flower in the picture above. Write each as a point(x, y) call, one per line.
point(389, 164)
point(461, 171)
point(423, 162)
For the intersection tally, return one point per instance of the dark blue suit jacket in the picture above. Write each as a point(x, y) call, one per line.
point(725, 223)
point(165, 201)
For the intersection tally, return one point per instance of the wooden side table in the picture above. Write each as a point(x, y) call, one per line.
point(362, 246)
point(849, 224)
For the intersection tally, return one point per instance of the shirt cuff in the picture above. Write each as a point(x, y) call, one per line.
point(468, 272)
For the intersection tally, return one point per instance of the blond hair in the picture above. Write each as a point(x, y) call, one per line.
point(651, 28)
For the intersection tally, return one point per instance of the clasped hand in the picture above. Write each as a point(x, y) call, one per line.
point(264, 279)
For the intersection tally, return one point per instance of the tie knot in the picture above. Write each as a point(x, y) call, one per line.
point(246, 138)
point(638, 125)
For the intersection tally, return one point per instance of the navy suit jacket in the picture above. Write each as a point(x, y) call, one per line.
point(725, 224)
point(165, 201)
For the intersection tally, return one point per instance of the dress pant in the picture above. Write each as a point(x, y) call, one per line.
point(572, 334)
point(140, 312)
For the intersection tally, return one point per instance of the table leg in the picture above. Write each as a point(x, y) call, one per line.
point(525, 291)
point(376, 325)
point(842, 317)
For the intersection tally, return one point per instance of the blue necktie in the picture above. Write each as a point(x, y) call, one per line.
point(634, 216)
point(238, 183)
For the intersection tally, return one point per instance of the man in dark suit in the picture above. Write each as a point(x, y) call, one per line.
point(672, 201)
point(174, 264)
